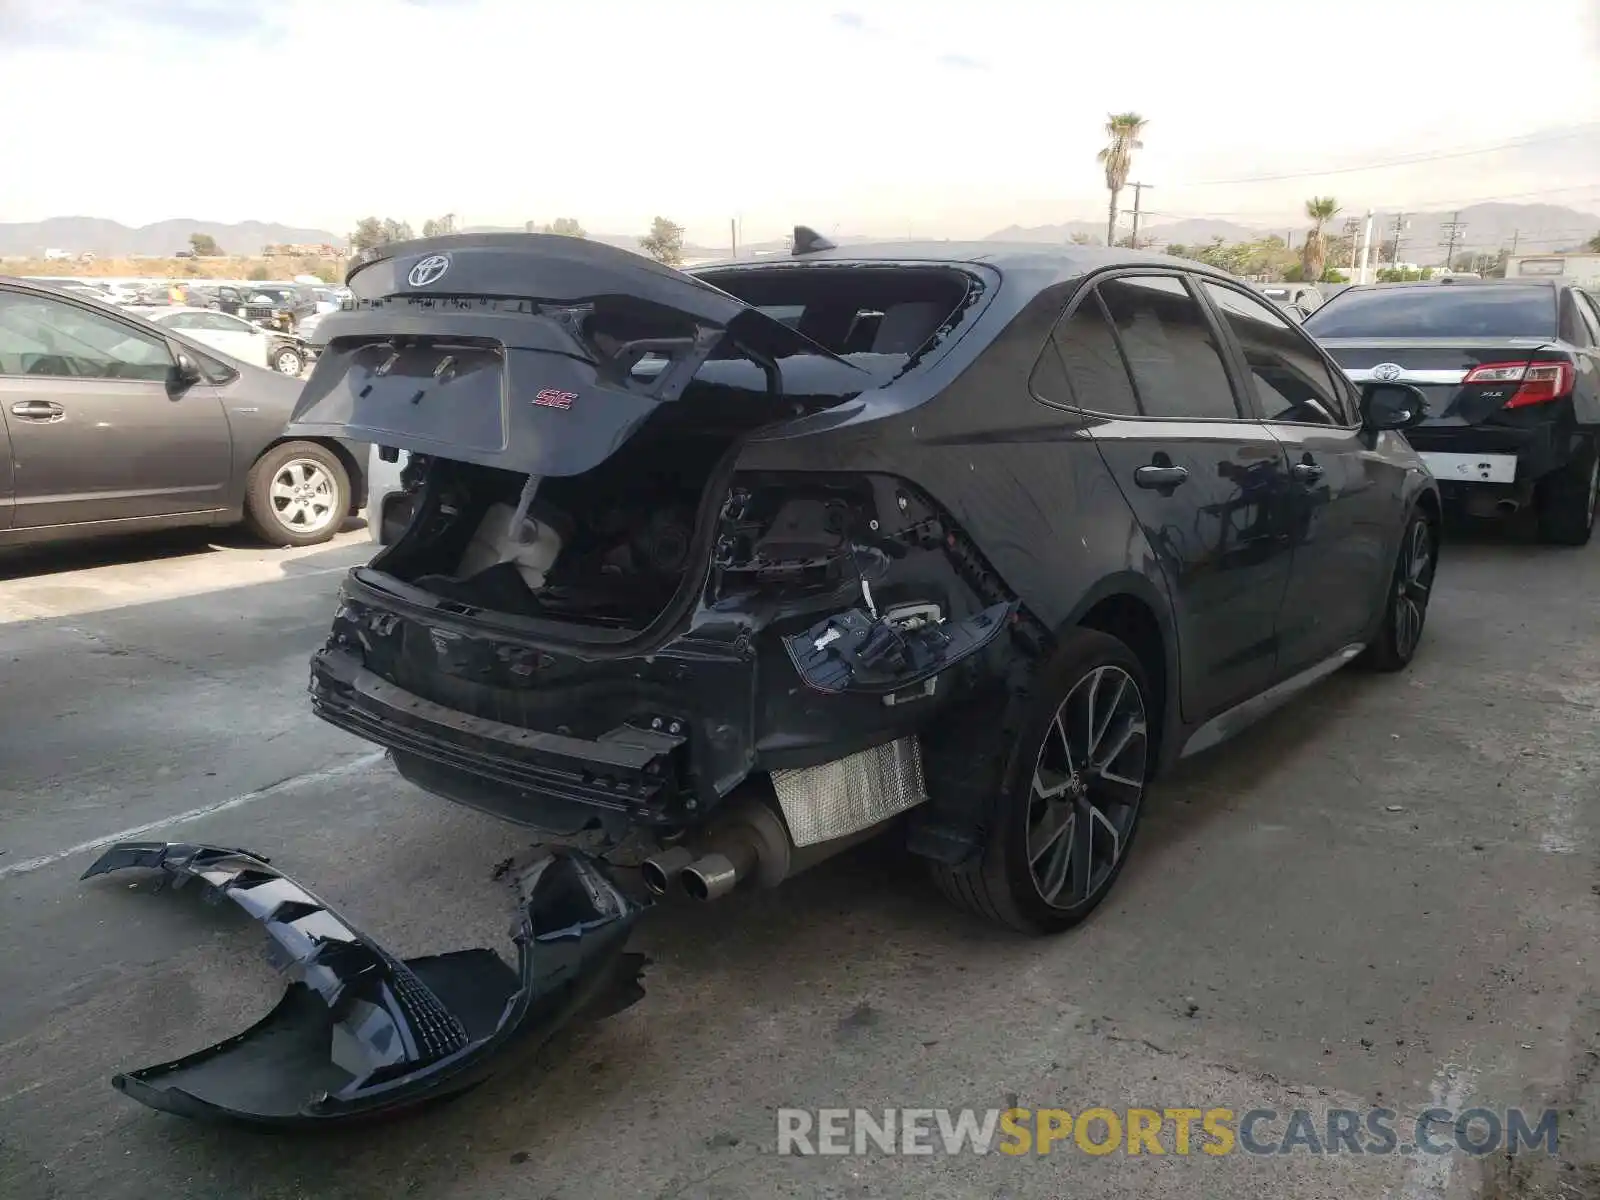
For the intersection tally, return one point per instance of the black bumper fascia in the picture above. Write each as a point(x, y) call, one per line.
point(360, 1033)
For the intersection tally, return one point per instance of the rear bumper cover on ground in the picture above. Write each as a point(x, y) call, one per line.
point(359, 1032)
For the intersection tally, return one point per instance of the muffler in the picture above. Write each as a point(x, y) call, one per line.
point(1506, 507)
point(751, 843)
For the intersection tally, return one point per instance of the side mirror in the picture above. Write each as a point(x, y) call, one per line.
point(185, 371)
point(1391, 406)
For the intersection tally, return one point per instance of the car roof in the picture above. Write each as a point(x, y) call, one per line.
point(1457, 282)
point(1067, 258)
point(170, 310)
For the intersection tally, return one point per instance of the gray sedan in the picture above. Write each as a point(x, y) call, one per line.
point(111, 424)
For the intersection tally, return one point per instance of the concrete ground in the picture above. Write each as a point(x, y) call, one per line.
point(1384, 895)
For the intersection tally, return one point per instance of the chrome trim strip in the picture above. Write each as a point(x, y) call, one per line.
point(1197, 429)
point(1364, 375)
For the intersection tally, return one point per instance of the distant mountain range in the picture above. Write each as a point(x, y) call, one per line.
point(1533, 228)
point(112, 239)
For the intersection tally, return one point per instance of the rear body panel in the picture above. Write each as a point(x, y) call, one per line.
point(1468, 437)
point(1479, 434)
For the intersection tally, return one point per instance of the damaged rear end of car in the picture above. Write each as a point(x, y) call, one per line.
point(598, 617)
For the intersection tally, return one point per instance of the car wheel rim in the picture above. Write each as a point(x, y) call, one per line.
point(304, 497)
point(1088, 780)
point(1412, 589)
point(289, 364)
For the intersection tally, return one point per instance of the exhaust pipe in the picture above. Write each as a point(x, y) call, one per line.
point(661, 871)
point(752, 843)
point(1506, 507)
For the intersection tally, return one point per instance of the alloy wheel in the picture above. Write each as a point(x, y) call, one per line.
point(303, 496)
point(1412, 588)
point(1088, 781)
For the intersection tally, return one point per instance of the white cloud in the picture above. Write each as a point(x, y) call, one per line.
point(892, 117)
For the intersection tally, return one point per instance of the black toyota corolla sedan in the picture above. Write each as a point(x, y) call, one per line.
point(715, 573)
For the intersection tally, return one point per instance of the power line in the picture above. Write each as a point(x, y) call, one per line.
point(1530, 140)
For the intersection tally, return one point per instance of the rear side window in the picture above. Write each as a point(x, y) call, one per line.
point(1169, 347)
point(1081, 366)
point(1291, 381)
point(1438, 310)
point(1589, 311)
point(1577, 326)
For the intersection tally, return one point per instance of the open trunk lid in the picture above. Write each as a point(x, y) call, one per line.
point(541, 354)
point(1438, 367)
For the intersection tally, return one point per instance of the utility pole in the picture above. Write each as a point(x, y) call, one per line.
point(1399, 228)
point(1452, 231)
point(1515, 235)
point(733, 235)
point(1138, 189)
point(1366, 249)
point(1352, 226)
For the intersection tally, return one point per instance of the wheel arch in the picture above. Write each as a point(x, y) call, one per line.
point(1129, 608)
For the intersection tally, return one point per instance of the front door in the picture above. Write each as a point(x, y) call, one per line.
point(1345, 498)
point(99, 430)
point(1205, 481)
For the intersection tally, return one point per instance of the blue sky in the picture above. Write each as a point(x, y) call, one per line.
point(870, 116)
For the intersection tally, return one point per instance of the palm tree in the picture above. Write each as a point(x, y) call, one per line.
point(1314, 254)
point(1123, 129)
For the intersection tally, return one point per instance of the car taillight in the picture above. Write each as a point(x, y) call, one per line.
point(1540, 382)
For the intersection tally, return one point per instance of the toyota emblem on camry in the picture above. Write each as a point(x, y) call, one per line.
point(1387, 372)
point(432, 269)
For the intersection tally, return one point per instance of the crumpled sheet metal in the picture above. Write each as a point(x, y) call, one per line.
point(360, 1033)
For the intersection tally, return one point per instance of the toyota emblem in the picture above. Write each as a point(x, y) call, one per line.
point(432, 269)
point(1387, 372)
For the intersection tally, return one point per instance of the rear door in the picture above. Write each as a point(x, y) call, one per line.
point(1580, 323)
point(97, 431)
point(1206, 481)
point(1346, 498)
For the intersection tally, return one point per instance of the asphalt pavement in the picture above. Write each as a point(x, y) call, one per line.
point(1384, 895)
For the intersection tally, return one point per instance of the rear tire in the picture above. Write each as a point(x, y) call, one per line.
point(1405, 612)
point(1071, 794)
point(298, 494)
point(1564, 500)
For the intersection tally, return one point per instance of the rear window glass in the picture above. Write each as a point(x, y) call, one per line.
point(1438, 310)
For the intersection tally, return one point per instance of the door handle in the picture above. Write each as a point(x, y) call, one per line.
point(1306, 472)
point(38, 410)
point(1160, 477)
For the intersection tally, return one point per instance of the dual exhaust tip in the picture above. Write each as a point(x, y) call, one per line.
point(750, 841)
point(706, 877)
